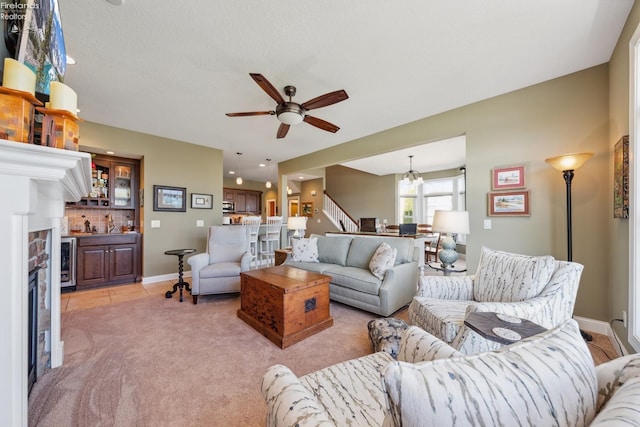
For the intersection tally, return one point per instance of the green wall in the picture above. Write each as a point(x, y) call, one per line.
point(568, 114)
point(173, 163)
point(617, 255)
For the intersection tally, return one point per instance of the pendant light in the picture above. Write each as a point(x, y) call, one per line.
point(268, 183)
point(239, 178)
point(411, 175)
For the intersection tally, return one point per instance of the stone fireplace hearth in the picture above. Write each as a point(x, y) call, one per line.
point(35, 183)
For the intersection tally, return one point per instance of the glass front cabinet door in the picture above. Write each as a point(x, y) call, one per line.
point(123, 185)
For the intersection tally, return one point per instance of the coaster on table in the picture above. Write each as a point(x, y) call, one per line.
point(507, 334)
point(509, 319)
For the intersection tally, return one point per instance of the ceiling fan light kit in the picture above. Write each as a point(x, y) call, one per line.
point(291, 113)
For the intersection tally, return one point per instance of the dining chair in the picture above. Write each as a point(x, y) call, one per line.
point(253, 223)
point(270, 240)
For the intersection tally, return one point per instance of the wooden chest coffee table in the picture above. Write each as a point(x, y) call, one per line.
point(285, 304)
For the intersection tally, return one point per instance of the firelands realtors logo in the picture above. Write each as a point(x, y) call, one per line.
point(16, 11)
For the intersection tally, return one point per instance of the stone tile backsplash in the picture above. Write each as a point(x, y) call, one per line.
point(97, 218)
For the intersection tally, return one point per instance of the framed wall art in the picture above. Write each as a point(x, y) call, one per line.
point(507, 178)
point(307, 209)
point(621, 178)
point(201, 201)
point(169, 199)
point(508, 203)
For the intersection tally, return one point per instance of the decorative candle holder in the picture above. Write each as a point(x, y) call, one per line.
point(16, 115)
point(60, 129)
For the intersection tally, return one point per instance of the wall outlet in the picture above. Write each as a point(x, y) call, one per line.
point(624, 318)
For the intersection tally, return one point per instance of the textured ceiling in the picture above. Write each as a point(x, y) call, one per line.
point(175, 68)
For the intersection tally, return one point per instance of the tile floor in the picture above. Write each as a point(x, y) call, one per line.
point(80, 300)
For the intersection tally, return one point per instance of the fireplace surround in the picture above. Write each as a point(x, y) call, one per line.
point(35, 183)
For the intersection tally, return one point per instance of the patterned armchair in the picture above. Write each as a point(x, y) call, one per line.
point(537, 288)
point(528, 383)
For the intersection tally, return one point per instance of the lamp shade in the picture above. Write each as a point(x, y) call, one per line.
point(297, 223)
point(451, 222)
point(570, 161)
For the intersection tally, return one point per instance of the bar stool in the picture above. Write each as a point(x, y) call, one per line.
point(270, 241)
point(253, 223)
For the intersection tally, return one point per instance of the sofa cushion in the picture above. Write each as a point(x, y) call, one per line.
point(351, 391)
point(316, 267)
point(305, 250)
point(383, 259)
point(614, 375)
point(333, 250)
point(358, 279)
point(221, 269)
point(442, 318)
point(509, 277)
point(548, 379)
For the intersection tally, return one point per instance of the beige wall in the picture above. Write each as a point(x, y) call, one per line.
point(173, 163)
point(569, 114)
point(618, 254)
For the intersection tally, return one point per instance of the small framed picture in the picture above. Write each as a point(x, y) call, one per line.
point(169, 199)
point(201, 201)
point(508, 203)
point(307, 209)
point(507, 178)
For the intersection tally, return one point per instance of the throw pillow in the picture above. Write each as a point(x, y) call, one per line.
point(545, 380)
point(508, 277)
point(383, 259)
point(385, 334)
point(304, 250)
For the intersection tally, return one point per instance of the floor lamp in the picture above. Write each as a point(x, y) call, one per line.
point(567, 164)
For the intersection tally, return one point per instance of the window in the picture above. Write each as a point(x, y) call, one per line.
point(418, 202)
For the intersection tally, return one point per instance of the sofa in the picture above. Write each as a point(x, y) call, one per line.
point(348, 260)
point(545, 380)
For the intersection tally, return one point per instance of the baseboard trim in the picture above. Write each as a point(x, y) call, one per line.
point(163, 278)
point(603, 328)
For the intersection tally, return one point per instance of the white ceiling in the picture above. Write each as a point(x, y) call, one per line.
point(174, 69)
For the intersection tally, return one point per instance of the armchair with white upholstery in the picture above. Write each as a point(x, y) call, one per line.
point(548, 379)
point(536, 288)
point(217, 271)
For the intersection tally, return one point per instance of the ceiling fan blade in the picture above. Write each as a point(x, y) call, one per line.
point(282, 130)
point(252, 113)
point(321, 124)
point(267, 87)
point(326, 99)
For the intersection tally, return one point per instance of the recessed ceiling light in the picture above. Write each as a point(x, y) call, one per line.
point(261, 165)
point(70, 60)
point(232, 172)
point(116, 2)
point(301, 178)
point(110, 152)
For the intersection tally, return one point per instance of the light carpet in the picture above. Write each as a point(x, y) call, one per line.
point(158, 362)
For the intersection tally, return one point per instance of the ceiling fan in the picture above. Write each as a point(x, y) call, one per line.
point(291, 113)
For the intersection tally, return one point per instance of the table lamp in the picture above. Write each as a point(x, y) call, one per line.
point(451, 222)
point(297, 223)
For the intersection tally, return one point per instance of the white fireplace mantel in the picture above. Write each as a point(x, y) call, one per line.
point(35, 183)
